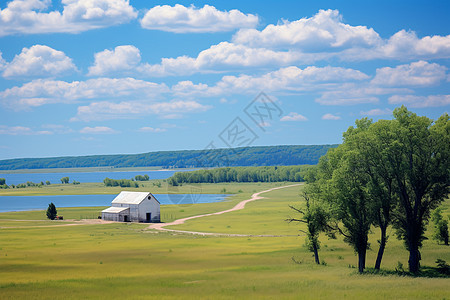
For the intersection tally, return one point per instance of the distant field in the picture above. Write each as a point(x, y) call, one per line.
point(145, 186)
point(121, 260)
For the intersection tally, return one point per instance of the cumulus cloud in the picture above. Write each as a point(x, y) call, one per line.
point(330, 117)
point(30, 16)
point(152, 129)
point(326, 36)
point(21, 130)
point(181, 19)
point(220, 57)
point(121, 59)
point(325, 30)
point(106, 110)
point(376, 112)
point(419, 73)
point(285, 79)
point(293, 116)
point(98, 130)
point(406, 45)
point(40, 91)
point(420, 101)
point(38, 61)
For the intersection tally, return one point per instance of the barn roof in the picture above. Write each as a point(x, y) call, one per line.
point(131, 197)
point(114, 210)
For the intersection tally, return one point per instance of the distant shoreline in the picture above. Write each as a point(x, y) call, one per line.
point(88, 169)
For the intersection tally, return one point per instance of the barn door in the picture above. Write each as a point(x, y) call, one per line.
point(125, 218)
point(148, 217)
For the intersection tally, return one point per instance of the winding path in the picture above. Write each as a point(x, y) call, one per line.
point(239, 206)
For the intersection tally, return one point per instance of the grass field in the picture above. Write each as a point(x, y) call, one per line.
point(127, 261)
point(144, 186)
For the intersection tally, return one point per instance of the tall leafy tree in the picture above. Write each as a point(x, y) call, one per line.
point(419, 159)
point(392, 171)
point(370, 141)
point(341, 182)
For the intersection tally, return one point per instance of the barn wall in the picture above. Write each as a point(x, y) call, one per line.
point(151, 206)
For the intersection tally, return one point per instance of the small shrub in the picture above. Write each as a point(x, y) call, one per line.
point(443, 267)
point(399, 269)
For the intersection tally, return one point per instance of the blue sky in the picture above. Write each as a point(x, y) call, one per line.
point(114, 76)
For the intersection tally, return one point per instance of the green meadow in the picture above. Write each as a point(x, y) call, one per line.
point(125, 260)
point(155, 186)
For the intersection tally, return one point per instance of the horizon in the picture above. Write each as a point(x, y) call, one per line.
point(133, 77)
point(113, 154)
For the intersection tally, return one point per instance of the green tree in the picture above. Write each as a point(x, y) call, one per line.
point(51, 211)
point(370, 141)
point(2, 181)
point(440, 227)
point(388, 172)
point(418, 154)
point(65, 180)
point(315, 217)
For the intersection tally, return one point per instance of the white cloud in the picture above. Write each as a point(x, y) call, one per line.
point(350, 93)
point(122, 58)
point(288, 79)
point(151, 129)
point(342, 97)
point(406, 45)
point(376, 112)
point(29, 16)
point(2, 62)
point(21, 130)
point(330, 117)
point(326, 36)
point(420, 73)
point(134, 109)
point(284, 80)
point(181, 19)
point(220, 57)
point(38, 61)
point(293, 116)
point(324, 31)
point(98, 130)
point(420, 101)
point(39, 92)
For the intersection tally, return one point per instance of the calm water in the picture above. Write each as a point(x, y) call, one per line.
point(82, 176)
point(19, 203)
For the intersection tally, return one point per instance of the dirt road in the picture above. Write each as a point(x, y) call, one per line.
point(239, 206)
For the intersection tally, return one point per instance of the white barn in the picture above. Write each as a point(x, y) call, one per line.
point(133, 207)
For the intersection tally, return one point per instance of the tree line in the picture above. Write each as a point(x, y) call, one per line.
point(3, 185)
point(120, 182)
point(387, 173)
point(244, 156)
point(240, 174)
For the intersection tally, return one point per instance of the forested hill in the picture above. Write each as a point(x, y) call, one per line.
point(245, 156)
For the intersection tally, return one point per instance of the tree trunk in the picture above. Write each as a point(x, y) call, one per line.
point(381, 249)
point(414, 258)
point(361, 260)
point(316, 254)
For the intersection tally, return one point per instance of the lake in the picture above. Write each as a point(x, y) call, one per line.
point(83, 176)
point(20, 203)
